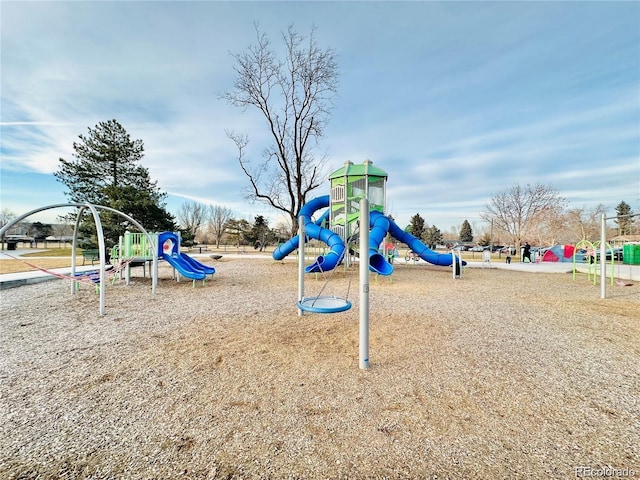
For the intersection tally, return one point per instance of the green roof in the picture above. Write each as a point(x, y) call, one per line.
point(366, 168)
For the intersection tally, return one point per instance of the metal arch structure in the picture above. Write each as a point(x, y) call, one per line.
point(101, 245)
point(603, 251)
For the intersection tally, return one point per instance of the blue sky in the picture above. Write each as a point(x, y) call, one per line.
point(455, 100)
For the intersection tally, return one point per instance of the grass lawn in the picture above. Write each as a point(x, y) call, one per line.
point(55, 258)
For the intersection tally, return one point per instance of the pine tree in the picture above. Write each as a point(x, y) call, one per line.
point(105, 171)
point(416, 226)
point(624, 221)
point(259, 233)
point(466, 235)
point(432, 237)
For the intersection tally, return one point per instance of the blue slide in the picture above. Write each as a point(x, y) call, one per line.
point(424, 252)
point(184, 268)
point(290, 245)
point(169, 250)
point(377, 262)
point(314, 230)
point(379, 224)
point(196, 265)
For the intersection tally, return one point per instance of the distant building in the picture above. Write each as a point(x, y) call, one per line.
point(622, 239)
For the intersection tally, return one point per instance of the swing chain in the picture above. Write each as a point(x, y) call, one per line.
point(326, 282)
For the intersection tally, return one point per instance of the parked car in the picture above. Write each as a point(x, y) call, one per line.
point(617, 255)
point(581, 255)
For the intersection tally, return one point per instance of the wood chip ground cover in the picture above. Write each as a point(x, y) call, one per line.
point(499, 374)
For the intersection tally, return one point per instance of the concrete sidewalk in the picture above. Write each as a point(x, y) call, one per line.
point(621, 271)
point(12, 280)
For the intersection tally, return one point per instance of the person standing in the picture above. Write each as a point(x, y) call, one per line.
point(526, 252)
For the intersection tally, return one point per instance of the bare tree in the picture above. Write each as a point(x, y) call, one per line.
point(218, 221)
point(190, 216)
point(282, 231)
point(6, 216)
point(548, 228)
point(63, 229)
point(516, 210)
point(584, 224)
point(295, 96)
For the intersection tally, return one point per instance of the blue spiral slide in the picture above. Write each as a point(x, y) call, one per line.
point(314, 230)
point(379, 225)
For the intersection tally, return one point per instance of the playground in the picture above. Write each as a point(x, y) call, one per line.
point(499, 374)
point(477, 372)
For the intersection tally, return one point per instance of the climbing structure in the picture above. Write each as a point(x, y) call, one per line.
point(349, 185)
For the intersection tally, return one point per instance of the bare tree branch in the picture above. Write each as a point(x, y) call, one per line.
point(190, 216)
point(218, 221)
point(295, 96)
point(517, 210)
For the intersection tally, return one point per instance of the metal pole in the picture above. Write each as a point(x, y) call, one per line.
point(453, 264)
point(347, 224)
point(491, 242)
point(74, 247)
point(101, 252)
point(301, 235)
point(364, 284)
point(603, 257)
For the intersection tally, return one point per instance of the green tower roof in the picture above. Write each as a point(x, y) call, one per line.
point(367, 168)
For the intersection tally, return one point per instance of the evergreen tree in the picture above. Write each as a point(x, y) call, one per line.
point(105, 171)
point(238, 230)
point(40, 231)
point(259, 233)
point(432, 237)
point(466, 235)
point(187, 237)
point(624, 220)
point(416, 226)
